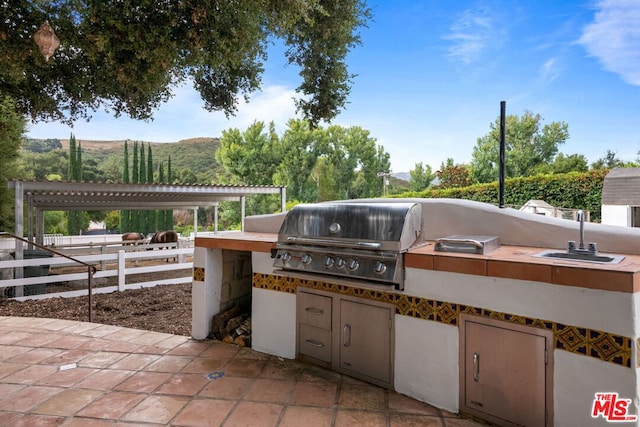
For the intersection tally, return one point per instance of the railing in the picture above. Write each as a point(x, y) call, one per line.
point(116, 258)
point(53, 239)
point(563, 213)
point(90, 268)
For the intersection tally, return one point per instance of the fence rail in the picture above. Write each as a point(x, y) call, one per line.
point(115, 259)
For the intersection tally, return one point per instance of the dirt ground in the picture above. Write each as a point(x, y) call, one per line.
point(165, 308)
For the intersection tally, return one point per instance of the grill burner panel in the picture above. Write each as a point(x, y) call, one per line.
point(363, 241)
point(382, 267)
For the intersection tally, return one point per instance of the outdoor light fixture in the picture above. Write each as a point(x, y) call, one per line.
point(46, 40)
point(385, 181)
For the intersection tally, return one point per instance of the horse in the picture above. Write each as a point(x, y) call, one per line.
point(168, 236)
point(132, 238)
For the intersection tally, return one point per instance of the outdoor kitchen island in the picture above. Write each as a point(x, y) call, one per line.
point(506, 336)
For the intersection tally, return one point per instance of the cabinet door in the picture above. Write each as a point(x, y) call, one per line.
point(504, 374)
point(365, 340)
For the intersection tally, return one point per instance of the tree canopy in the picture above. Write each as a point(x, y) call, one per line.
point(11, 129)
point(420, 177)
point(127, 55)
point(529, 145)
point(313, 163)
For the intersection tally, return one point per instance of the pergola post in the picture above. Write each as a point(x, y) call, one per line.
point(195, 221)
point(283, 199)
point(30, 231)
point(39, 226)
point(215, 218)
point(243, 200)
point(19, 231)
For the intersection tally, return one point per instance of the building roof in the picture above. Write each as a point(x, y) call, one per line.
point(538, 203)
point(84, 196)
point(622, 187)
point(70, 195)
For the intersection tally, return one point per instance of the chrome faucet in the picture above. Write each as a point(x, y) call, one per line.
point(580, 219)
point(571, 247)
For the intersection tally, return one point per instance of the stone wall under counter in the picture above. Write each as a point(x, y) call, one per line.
point(222, 278)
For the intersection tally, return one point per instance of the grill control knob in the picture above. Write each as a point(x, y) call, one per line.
point(340, 263)
point(353, 264)
point(328, 262)
point(380, 267)
point(286, 256)
point(306, 259)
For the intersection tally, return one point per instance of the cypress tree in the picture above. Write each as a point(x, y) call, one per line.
point(151, 214)
point(134, 169)
point(125, 216)
point(142, 179)
point(125, 165)
point(78, 164)
point(168, 214)
point(143, 168)
point(135, 215)
point(149, 165)
point(74, 173)
point(72, 158)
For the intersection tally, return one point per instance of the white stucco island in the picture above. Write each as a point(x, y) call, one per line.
point(584, 316)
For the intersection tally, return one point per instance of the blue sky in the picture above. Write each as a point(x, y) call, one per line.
point(431, 75)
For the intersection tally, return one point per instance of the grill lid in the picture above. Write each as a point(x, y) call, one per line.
point(374, 226)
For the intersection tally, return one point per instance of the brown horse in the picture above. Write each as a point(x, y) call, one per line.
point(133, 238)
point(168, 236)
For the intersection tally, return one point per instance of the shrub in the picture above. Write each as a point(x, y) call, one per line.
point(574, 190)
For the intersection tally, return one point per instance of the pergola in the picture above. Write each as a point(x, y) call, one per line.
point(41, 196)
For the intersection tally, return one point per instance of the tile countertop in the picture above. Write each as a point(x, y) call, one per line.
point(509, 262)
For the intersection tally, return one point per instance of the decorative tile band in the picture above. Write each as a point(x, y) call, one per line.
point(198, 274)
point(601, 345)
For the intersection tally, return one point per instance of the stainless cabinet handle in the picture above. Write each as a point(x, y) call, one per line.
point(314, 343)
point(346, 335)
point(314, 310)
point(476, 367)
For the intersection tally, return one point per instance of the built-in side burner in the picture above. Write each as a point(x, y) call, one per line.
point(468, 244)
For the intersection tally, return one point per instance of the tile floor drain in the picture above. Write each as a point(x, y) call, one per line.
point(215, 375)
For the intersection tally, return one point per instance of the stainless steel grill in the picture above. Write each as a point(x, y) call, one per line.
point(364, 241)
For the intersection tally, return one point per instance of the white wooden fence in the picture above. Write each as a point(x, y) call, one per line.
point(110, 256)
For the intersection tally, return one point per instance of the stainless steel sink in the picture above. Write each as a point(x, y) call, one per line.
point(584, 257)
point(581, 252)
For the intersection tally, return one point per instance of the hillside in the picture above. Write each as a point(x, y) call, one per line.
point(196, 154)
point(192, 160)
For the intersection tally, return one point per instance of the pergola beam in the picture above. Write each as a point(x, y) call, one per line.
point(72, 196)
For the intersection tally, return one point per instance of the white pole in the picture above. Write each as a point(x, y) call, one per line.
point(195, 221)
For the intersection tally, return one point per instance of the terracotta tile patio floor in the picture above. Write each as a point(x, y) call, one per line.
point(66, 373)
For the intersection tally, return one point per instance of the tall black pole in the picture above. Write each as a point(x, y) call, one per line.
point(503, 105)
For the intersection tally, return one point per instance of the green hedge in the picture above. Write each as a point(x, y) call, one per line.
point(574, 190)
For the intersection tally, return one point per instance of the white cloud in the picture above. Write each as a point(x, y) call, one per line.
point(274, 103)
point(182, 117)
point(549, 71)
point(473, 33)
point(614, 38)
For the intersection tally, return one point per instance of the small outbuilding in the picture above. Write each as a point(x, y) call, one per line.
point(621, 197)
point(540, 207)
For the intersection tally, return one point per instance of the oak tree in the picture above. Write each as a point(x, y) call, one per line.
point(127, 55)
